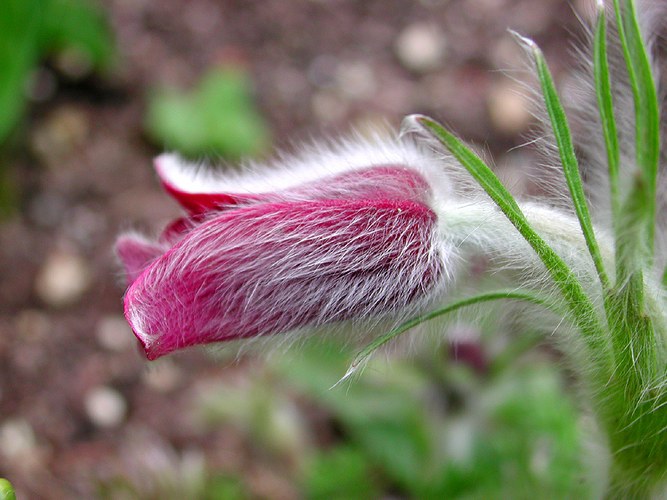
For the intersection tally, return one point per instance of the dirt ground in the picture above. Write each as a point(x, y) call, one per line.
point(79, 405)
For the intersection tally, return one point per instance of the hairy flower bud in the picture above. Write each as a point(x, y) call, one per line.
point(353, 238)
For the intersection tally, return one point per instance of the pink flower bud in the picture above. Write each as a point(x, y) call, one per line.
point(355, 242)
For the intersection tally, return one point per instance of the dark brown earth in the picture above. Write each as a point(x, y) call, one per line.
point(83, 168)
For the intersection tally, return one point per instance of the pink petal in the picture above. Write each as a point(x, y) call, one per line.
point(136, 254)
point(393, 182)
point(195, 202)
point(177, 228)
point(269, 268)
point(379, 181)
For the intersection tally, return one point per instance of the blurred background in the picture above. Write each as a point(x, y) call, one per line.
point(90, 92)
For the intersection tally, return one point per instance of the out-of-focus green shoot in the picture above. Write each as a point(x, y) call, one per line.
point(6, 490)
point(217, 118)
point(31, 30)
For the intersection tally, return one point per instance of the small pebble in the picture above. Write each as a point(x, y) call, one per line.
point(356, 80)
point(113, 333)
point(508, 108)
point(322, 71)
point(105, 407)
point(163, 377)
point(63, 279)
point(421, 47)
point(327, 106)
point(74, 63)
point(16, 438)
point(56, 137)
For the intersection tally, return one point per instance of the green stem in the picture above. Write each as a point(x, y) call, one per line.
point(579, 304)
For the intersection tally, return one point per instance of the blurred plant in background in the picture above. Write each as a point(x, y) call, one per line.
point(435, 428)
point(6, 490)
point(217, 118)
point(430, 427)
point(74, 31)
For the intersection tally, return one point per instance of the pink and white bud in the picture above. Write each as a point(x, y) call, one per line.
point(348, 234)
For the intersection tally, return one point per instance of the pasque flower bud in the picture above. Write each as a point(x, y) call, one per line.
point(349, 234)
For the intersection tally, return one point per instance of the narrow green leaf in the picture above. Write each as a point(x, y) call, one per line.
point(606, 109)
point(477, 299)
point(647, 116)
point(568, 158)
point(636, 219)
point(578, 302)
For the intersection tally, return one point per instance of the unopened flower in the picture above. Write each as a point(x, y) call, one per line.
point(349, 233)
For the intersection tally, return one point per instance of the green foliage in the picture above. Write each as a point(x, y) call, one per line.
point(217, 118)
point(430, 429)
point(6, 490)
point(341, 473)
point(219, 487)
point(569, 161)
point(76, 26)
point(647, 122)
point(509, 436)
point(19, 52)
point(174, 485)
point(33, 29)
point(606, 109)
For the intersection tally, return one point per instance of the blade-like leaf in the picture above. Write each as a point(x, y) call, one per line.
point(606, 109)
point(636, 220)
point(647, 117)
point(568, 158)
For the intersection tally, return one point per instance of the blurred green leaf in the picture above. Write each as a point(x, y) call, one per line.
point(6, 490)
point(33, 29)
point(526, 444)
point(224, 487)
point(217, 117)
point(517, 436)
point(20, 22)
point(77, 25)
point(383, 414)
point(341, 473)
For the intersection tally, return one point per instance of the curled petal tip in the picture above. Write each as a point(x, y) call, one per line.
point(136, 253)
point(191, 187)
